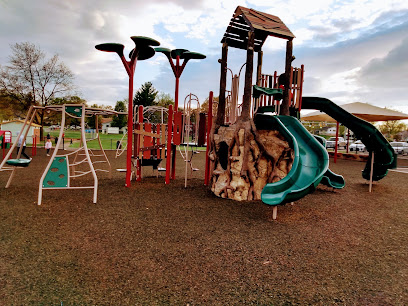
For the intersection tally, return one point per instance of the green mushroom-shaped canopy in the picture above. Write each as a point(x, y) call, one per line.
point(193, 55)
point(145, 53)
point(143, 45)
point(165, 51)
point(178, 52)
point(182, 53)
point(144, 41)
point(111, 47)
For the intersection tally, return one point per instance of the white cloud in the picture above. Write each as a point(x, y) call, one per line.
point(333, 39)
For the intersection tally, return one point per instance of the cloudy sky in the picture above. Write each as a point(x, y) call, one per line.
point(353, 50)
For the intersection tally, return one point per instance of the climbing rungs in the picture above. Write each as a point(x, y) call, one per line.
point(58, 174)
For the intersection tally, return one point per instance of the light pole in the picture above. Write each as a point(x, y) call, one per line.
point(177, 55)
point(142, 51)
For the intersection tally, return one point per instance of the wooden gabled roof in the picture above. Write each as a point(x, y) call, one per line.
point(245, 20)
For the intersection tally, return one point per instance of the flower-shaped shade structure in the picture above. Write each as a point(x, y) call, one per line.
point(193, 55)
point(143, 50)
point(165, 51)
point(143, 46)
point(111, 47)
point(178, 52)
point(144, 53)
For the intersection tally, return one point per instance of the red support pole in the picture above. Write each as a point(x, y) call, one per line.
point(130, 133)
point(169, 138)
point(177, 83)
point(173, 161)
point(337, 139)
point(302, 70)
point(34, 147)
point(209, 125)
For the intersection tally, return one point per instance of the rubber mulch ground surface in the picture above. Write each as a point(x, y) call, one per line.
point(157, 244)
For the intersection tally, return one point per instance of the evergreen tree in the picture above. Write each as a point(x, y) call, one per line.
point(121, 120)
point(145, 95)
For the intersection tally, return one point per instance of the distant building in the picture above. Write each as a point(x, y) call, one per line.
point(106, 123)
point(14, 126)
point(329, 131)
point(108, 129)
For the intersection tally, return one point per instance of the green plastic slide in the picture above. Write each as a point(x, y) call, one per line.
point(333, 180)
point(384, 155)
point(330, 178)
point(311, 160)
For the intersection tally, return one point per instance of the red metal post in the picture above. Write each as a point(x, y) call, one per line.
point(209, 125)
point(177, 83)
point(130, 132)
point(33, 147)
point(302, 70)
point(3, 143)
point(169, 140)
point(176, 94)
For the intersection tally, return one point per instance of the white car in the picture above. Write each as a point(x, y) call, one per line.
point(399, 147)
point(357, 146)
point(331, 142)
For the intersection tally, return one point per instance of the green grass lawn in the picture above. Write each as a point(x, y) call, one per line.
point(108, 140)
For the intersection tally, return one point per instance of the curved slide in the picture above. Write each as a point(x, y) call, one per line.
point(384, 155)
point(330, 178)
point(311, 161)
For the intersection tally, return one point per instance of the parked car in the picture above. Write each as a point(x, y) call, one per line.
point(357, 146)
point(331, 142)
point(400, 147)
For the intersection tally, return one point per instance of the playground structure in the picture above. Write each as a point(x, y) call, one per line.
point(142, 51)
point(151, 135)
point(174, 125)
point(5, 141)
point(261, 98)
point(149, 142)
point(258, 150)
point(188, 113)
point(241, 161)
point(62, 169)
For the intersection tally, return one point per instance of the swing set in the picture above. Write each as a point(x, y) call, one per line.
point(62, 169)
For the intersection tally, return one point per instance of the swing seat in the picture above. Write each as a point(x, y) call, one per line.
point(19, 162)
point(151, 162)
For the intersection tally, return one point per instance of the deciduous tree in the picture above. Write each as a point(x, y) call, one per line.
point(33, 79)
point(391, 128)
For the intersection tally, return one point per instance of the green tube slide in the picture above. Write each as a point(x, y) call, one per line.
point(384, 155)
point(310, 163)
point(330, 178)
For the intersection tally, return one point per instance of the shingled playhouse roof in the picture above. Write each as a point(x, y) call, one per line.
point(245, 19)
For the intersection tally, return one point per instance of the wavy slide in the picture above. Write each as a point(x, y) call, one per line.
point(330, 178)
point(384, 155)
point(311, 161)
